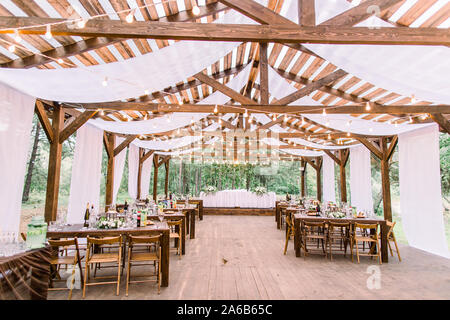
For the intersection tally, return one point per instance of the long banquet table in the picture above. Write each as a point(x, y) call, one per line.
point(238, 199)
point(298, 218)
point(77, 230)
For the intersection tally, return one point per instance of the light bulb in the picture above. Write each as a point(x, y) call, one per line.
point(146, 92)
point(329, 137)
point(192, 120)
point(102, 113)
point(81, 24)
point(349, 123)
point(215, 109)
point(17, 37)
point(12, 48)
point(348, 134)
point(410, 120)
point(48, 33)
point(105, 82)
point(370, 129)
point(324, 113)
point(60, 61)
point(245, 113)
point(368, 106)
point(196, 10)
point(303, 121)
point(130, 17)
point(413, 99)
point(274, 117)
point(285, 118)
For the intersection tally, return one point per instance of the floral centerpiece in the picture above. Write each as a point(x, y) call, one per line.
point(260, 191)
point(105, 223)
point(336, 214)
point(210, 190)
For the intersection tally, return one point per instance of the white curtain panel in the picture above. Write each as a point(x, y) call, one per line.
point(86, 172)
point(145, 176)
point(16, 116)
point(129, 78)
point(119, 164)
point(329, 192)
point(133, 163)
point(420, 190)
point(361, 179)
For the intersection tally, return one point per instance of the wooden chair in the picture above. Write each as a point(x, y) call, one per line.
point(368, 233)
point(391, 237)
point(57, 260)
point(289, 231)
point(176, 233)
point(136, 257)
point(339, 232)
point(314, 231)
point(93, 258)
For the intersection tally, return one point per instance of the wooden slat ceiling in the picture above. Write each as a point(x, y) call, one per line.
point(423, 13)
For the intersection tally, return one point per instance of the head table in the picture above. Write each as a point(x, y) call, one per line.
point(238, 198)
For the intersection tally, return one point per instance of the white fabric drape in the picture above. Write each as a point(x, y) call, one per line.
point(238, 198)
point(86, 172)
point(145, 176)
point(157, 70)
point(16, 118)
point(329, 191)
point(361, 179)
point(119, 163)
point(420, 190)
point(133, 163)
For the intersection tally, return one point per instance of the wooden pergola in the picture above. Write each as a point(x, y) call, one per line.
point(60, 120)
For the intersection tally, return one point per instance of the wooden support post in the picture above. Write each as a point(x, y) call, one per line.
point(166, 182)
point(155, 177)
point(263, 73)
point(54, 166)
point(385, 181)
point(318, 178)
point(141, 154)
point(109, 192)
point(303, 180)
point(343, 155)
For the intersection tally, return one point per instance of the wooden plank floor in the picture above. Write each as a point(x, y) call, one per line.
point(241, 257)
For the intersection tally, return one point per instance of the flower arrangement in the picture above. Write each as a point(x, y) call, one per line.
point(210, 190)
point(105, 223)
point(260, 191)
point(337, 214)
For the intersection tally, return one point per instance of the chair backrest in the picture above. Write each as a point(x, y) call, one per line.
point(143, 239)
point(173, 223)
point(391, 226)
point(366, 226)
point(333, 225)
point(63, 243)
point(314, 224)
point(104, 240)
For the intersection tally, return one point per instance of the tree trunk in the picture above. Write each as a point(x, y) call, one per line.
point(199, 180)
point(196, 181)
point(180, 181)
point(27, 187)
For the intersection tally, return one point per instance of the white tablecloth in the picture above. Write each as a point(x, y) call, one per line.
point(238, 198)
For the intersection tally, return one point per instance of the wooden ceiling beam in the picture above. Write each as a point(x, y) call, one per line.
point(146, 156)
point(75, 125)
point(306, 13)
point(369, 145)
point(223, 88)
point(442, 121)
point(231, 32)
point(258, 108)
point(311, 87)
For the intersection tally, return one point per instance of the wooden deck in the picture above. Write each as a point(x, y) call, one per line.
point(241, 257)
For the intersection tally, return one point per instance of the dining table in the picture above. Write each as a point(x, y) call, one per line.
point(189, 211)
point(174, 216)
point(298, 218)
point(279, 212)
point(195, 201)
point(158, 228)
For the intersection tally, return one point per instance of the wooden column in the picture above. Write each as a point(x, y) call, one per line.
point(155, 176)
point(54, 165)
point(303, 180)
point(166, 182)
point(109, 192)
point(141, 154)
point(318, 178)
point(343, 180)
point(263, 73)
point(385, 181)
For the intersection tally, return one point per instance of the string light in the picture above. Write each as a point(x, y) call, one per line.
point(245, 113)
point(285, 118)
point(130, 17)
point(146, 92)
point(274, 117)
point(413, 99)
point(48, 33)
point(195, 10)
point(303, 121)
point(329, 137)
point(105, 82)
point(60, 61)
point(424, 116)
point(102, 113)
point(324, 113)
point(12, 48)
point(410, 120)
point(349, 122)
point(348, 134)
point(368, 106)
point(81, 24)
point(370, 129)
point(17, 37)
point(215, 109)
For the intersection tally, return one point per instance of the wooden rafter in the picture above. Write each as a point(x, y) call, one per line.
point(442, 121)
point(125, 143)
point(75, 125)
point(232, 32)
point(306, 12)
point(43, 118)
